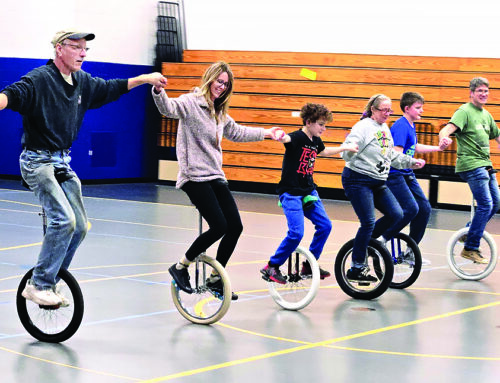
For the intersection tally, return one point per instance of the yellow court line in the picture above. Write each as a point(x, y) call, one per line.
point(317, 344)
point(120, 265)
point(437, 356)
point(19, 203)
point(98, 279)
point(360, 349)
point(123, 277)
point(142, 224)
point(453, 290)
point(69, 365)
point(21, 246)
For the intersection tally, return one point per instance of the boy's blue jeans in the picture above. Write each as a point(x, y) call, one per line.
point(366, 194)
point(292, 207)
point(484, 188)
point(63, 205)
point(416, 207)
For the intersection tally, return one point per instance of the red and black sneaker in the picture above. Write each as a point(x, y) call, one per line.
point(273, 274)
point(307, 272)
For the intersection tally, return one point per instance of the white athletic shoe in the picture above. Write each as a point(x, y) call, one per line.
point(40, 297)
point(64, 301)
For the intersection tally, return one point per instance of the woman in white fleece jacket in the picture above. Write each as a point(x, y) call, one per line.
point(203, 121)
point(364, 177)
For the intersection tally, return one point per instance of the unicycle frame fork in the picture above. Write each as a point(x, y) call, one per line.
point(398, 248)
point(293, 275)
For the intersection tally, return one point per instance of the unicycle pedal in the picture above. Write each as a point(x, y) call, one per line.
point(49, 307)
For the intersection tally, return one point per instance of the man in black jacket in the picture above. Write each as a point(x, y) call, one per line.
point(53, 100)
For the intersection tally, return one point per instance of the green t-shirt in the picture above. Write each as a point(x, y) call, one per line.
point(476, 127)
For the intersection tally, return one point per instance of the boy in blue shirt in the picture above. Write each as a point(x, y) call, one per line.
point(402, 182)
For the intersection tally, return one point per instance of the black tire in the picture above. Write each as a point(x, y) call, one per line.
point(204, 305)
point(381, 263)
point(405, 273)
point(52, 324)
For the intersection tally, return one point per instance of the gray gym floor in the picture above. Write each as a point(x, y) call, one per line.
point(442, 329)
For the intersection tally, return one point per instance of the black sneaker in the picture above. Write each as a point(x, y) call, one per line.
point(307, 272)
point(408, 257)
point(181, 278)
point(218, 290)
point(356, 274)
point(273, 274)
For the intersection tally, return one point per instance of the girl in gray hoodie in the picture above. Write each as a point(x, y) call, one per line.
point(364, 178)
point(203, 121)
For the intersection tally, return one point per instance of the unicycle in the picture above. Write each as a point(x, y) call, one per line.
point(467, 269)
point(204, 305)
point(301, 287)
point(52, 324)
point(378, 259)
point(407, 260)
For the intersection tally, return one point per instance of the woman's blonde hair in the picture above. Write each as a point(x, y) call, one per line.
point(374, 101)
point(220, 106)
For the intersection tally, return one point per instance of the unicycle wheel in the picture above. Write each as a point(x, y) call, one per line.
point(52, 324)
point(467, 269)
point(206, 304)
point(407, 260)
point(379, 262)
point(302, 281)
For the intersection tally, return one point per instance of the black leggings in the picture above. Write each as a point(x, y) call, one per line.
point(216, 204)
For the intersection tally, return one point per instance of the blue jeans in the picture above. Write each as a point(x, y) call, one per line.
point(484, 188)
point(416, 207)
point(63, 205)
point(367, 194)
point(292, 207)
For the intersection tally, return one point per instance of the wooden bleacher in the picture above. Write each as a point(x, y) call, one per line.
point(269, 91)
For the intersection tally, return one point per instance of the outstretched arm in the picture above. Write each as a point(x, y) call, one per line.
point(156, 79)
point(332, 150)
point(443, 144)
point(4, 101)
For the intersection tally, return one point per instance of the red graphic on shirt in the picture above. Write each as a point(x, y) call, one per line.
point(306, 162)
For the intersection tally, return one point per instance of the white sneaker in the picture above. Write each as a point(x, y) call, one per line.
point(408, 257)
point(382, 240)
point(64, 301)
point(40, 297)
point(426, 262)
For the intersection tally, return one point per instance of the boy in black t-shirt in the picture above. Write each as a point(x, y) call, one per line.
point(297, 191)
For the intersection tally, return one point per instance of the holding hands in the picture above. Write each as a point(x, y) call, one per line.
point(156, 79)
point(275, 133)
point(444, 143)
point(419, 164)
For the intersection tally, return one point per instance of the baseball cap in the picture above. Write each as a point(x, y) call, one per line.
point(72, 35)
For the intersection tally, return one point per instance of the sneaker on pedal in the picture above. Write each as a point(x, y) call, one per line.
point(473, 255)
point(64, 301)
point(360, 274)
point(216, 286)
point(273, 274)
point(40, 297)
point(307, 272)
point(408, 257)
point(426, 262)
point(181, 278)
